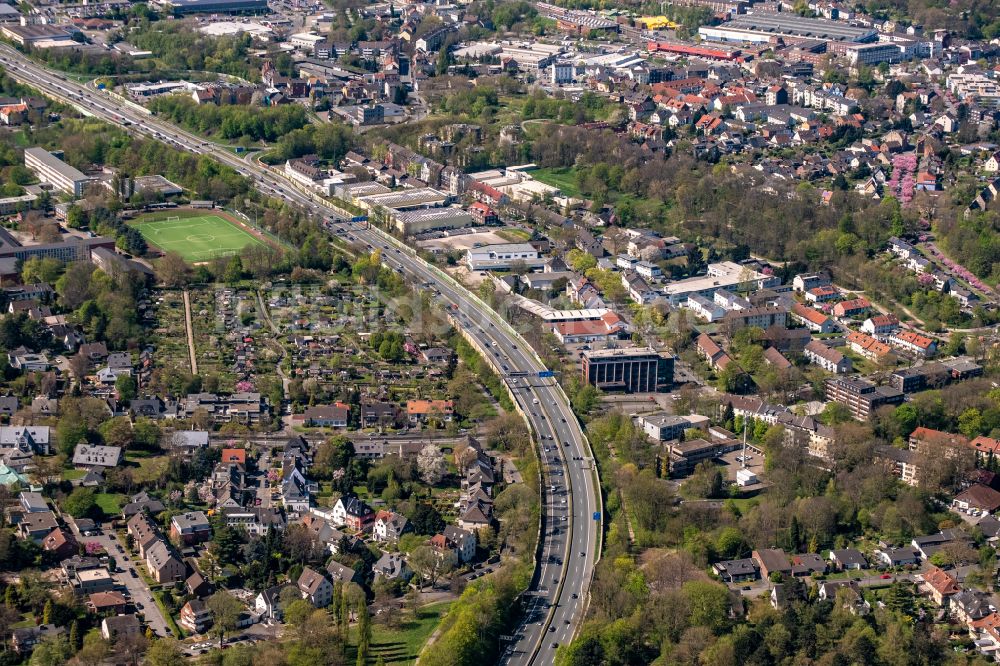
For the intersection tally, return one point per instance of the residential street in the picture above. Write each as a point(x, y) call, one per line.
point(129, 577)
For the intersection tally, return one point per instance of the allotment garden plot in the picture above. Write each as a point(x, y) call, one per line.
point(195, 237)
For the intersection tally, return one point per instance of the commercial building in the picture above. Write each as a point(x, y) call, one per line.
point(861, 397)
point(723, 275)
point(52, 170)
point(666, 427)
point(305, 40)
point(420, 197)
point(74, 249)
point(685, 456)
point(431, 219)
point(369, 114)
point(873, 54)
point(562, 72)
point(640, 370)
point(763, 27)
point(179, 7)
point(33, 35)
point(502, 256)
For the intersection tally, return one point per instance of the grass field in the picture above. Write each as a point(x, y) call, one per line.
point(109, 503)
point(402, 645)
point(564, 178)
point(197, 237)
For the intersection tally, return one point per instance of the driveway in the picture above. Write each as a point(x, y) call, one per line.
point(129, 577)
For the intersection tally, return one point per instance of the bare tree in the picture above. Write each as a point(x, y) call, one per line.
point(431, 564)
point(172, 270)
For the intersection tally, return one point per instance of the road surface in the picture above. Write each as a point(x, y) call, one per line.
point(129, 576)
point(571, 521)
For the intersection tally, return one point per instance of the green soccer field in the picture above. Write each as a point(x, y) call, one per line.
point(196, 238)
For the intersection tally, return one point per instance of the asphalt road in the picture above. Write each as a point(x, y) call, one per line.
point(556, 602)
point(129, 577)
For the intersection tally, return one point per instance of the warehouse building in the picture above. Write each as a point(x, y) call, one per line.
point(179, 7)
point(414, 222)
point(36, 35)
point(762, 28)
point(418, 197)
point(639, 370)
point(53, 171)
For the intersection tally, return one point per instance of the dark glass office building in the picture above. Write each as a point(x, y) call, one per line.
point(641, 370)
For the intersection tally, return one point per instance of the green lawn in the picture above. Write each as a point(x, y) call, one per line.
point(110, 503)
point(563, 177)
point(198, 237)
point(514, 235)
point(73, 474)
point(402, 645)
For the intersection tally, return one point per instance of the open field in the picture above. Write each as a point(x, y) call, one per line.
point(196, 237)
point(403, 644)
point(564, 178)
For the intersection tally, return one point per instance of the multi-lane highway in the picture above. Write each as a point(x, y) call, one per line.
point(570, 529)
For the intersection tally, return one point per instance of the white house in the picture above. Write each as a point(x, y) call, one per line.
point(464, 541)
point(827, 358)
point(880, 325)
point(704, 308)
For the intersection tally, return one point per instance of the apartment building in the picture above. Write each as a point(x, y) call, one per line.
point(861, 397)
point(53, 171)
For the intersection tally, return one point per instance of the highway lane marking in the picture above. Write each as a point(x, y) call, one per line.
point(263, 176)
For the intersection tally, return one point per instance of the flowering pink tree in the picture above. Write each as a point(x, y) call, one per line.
point(244, 386)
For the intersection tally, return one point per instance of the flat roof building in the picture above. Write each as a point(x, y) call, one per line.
point(639, 370)
point(723, 275)
point(218, 6)
point(431, 219)
point(861, 397)
point(502, 256)
point(420, 197)
point(52, 170)
point(28, 35)
point(763, 27)
point(74, 249)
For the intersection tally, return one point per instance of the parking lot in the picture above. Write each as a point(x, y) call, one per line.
point(732, 463)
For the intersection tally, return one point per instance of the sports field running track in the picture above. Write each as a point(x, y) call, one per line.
point(198, 238)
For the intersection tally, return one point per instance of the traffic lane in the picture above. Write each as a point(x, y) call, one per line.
point(131, 579)
point(518, 359)
point(278, 190)
point(559, 503)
